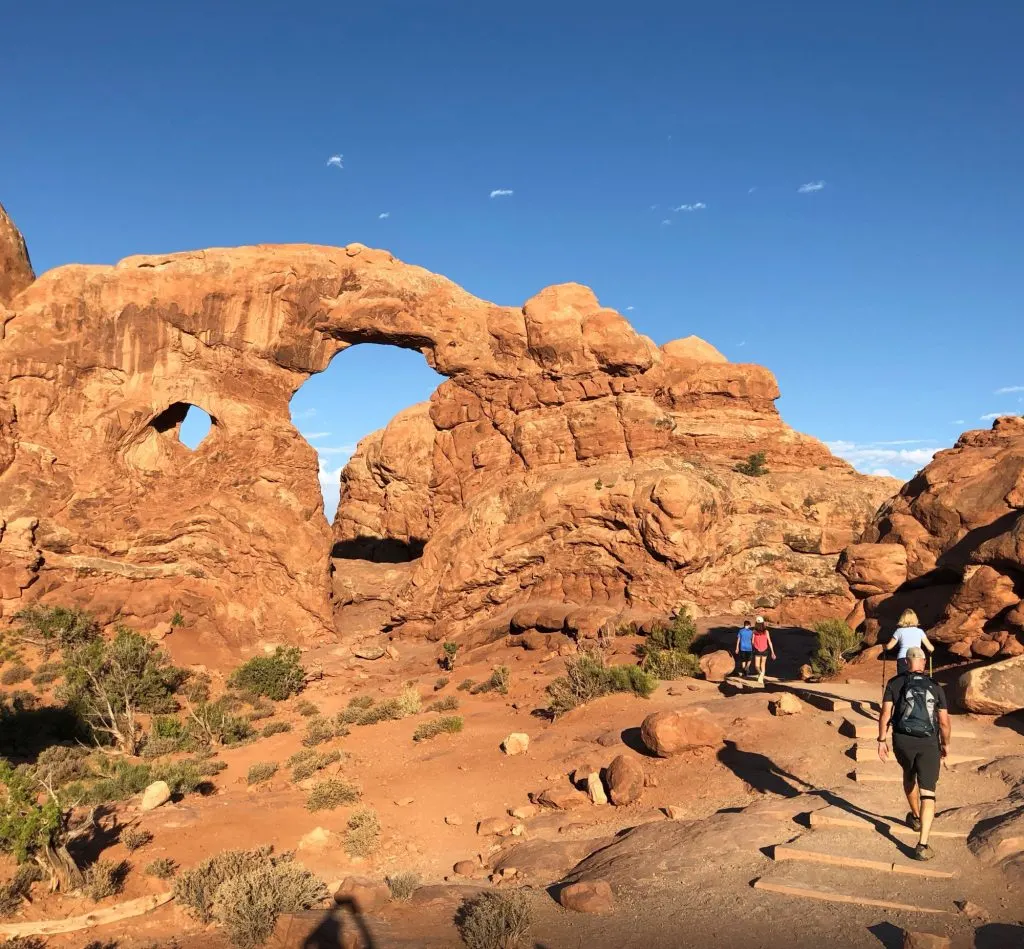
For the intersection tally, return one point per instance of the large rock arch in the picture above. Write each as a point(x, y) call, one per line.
point(101, 505)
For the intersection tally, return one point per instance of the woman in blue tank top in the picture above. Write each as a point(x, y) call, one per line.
point(908, 635)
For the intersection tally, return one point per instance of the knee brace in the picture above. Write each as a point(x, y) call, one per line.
point(927, 795)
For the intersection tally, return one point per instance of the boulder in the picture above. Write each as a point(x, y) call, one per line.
point(362, 894)
point(561, 798)
point(672, 732)
point(15, 267)
point(918, 940)
point(871, 569)
point(786, 704)
point(717, 665)
point(517, 743)
point(996, 689)
point(625, 779)
point(495, 826)
point(156, 795)
point(467, 868)
point(590, 897)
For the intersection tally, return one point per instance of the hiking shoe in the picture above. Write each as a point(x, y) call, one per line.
point(914, 823)
point(923, 852)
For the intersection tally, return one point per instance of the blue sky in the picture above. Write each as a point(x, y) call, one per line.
point(887, 301)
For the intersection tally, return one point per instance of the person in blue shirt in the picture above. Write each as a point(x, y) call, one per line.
point(744, 651)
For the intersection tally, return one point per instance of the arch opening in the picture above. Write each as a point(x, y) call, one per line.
point(187, 423)
point(362, 389)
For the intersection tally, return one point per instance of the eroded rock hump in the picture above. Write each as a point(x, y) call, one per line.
point(567, 461)
point(15, 267)
point(950, 545)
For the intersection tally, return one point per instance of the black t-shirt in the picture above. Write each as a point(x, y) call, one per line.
point(894, 689)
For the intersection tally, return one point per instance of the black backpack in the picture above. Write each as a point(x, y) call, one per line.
point(916, 709)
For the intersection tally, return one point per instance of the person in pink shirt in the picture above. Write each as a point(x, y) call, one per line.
point(762, 647)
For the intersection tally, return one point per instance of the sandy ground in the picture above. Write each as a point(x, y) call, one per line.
point(415, 786)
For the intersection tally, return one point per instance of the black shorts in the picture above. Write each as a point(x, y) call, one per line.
point(744, 655)
point(760, 652)
point(918, 757)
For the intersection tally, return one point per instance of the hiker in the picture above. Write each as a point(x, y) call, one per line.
point(744, 651)
point(916, 706)
point(908, 634)
point(762, 643)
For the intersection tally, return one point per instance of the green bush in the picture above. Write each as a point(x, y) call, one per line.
point(587, 678)
point(363, 834)
point(449, 655)
point(163, 868)
point(45, 675)
point(248, 906)
point(59, 765)
point(440, 683)
point(105, 878)
point(754, 466)
point(12, 675)
point(305, 764)
point(320, 730)
point(306, 708)
point(195, 888)
point(403, 885)
point(214, 723)
point(401, 706)
point(449, 704)
point(55, 627)
point(261, 771)
point(465, 685)
point(447, 723)
point(668, 652)
point(835, 642)
point(277, 677)
point(332, 793)
point(499, 681)
point(275, 728)
point(355, 709)
point(494, 920)
point(133, 838)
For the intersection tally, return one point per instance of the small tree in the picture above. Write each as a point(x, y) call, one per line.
point(835, 641)
point(450, 652)
point(39, 833)
point(110, 682)
point(754, 466)
point(277, 677)
point(52, 628)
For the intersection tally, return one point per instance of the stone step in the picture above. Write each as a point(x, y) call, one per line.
point(836, 817)
point(868, 776)
point(868, 751)
point(811, 892)
point(781, 852)
point(864, 728)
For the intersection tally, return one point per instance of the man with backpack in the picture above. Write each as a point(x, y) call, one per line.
point(917, 708)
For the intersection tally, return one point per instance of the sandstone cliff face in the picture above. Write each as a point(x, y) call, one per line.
point(567, 459)
point(951, 546)
point(15, 267)
point(597, 482)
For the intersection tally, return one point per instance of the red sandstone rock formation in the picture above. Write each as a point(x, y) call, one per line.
point(567, 461)
point(15, 267)
point(951, 546)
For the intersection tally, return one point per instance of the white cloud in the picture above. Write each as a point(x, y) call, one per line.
point(810, 187)
point(304, 414)
point(629, 308)
point(874, 455)
point(1006, 390)
point(958, 421)
point(742, 342)
point(699, 206)
point(336, 449)
point(883, 473)
point(989, 416)
point(312, 436)
point(654, 207)
point(666, 221)
point(335, 161)
point(502, 193)
point(383, 216)
point(752, 190)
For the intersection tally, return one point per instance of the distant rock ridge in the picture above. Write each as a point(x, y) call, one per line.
point(567, 462)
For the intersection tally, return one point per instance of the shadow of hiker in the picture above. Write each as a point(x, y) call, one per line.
point(341, 927)
point(760, 772)
point(888, 935)
point(999, 936)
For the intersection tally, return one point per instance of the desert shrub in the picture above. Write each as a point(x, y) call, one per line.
point(261, 771)
point(209, 767)
point(449, 655)
point(587, 678)
point(163, 868)
point(449, 704)
point(362, 837)
point(754, 466)
point(277, 677)
point(305, 764)
point(133, 838)
point(105, 878)
point(439, 726)
point(195, 888)
point(15, 891)
point(835, 641)
point(307, 708)
point(110, 682)
point(355, 709)
point(213, 723)
point(401, 706)
point(59, 765)
point(24, 942)
point(12, 675)
point(499, 681)
point(494, 920)
point(197, 687)
point(248, 906)
point(668, 652)
point(320, 730)
point(465, 685)
point(46, 674)
point(275, 728)
point(403, 885)
point(332, 793)
point(440, 682)
point(55, 627)
point(167, 726)
point(260, 710)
